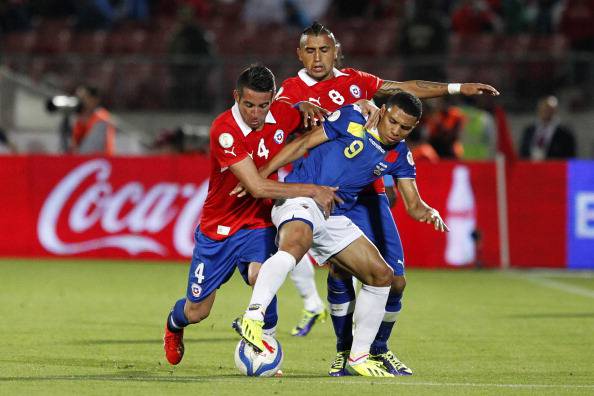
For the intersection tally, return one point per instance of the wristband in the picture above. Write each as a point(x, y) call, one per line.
point(454, 88)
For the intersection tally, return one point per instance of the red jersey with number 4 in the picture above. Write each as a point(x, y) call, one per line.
point(346, 87)
point(232, 140)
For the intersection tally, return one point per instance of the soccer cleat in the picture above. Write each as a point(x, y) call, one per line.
point(367, 368)
point(337, 368)
point(307, 321)
point(391, 363)
point(251, 331)
point(173, 343)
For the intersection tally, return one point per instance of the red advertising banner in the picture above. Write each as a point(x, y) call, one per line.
point(148, 207)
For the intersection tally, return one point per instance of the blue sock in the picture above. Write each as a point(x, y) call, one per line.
point(271, 315)
point(393, 307)
point(341, 296)
point(176, 321)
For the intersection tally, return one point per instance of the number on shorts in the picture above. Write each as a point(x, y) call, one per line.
point(353, 149)
point(336, 97)
point(198, 273)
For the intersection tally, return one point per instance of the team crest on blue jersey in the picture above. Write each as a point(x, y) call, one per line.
point(410, 159)
point(279, 136)
point(355, 91)
point(196, 290)
point(334, 116)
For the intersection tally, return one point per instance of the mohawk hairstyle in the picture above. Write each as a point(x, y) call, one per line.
point(317, 29)
point(256, 77)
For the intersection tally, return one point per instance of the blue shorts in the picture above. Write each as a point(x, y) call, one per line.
point(213, 262)
point(372, 215)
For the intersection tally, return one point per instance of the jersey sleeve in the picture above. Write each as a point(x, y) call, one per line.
point(370, 83)
point(226, 146)
point(404, 165)
point(289, 116)
point(344, 121)
point(289, 92)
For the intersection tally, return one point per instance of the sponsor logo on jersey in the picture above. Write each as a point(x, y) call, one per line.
point(380, 168)
point(314, 100)
point(232, 152)
point(226, 140)
point(355, 91)
point(410, 159)
point(196, 290)
point(279, 136)
point(223, 230)
point(334, 116)
point(377, 146)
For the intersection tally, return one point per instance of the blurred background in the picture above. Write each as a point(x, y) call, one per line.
point(167, 67)
point(513, 170)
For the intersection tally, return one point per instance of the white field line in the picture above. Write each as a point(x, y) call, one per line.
point(376, 382)
point(553, 284)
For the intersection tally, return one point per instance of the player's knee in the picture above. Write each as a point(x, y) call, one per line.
point(297, 241)
point(253, 271)
point(398, 284)
point(379, 276)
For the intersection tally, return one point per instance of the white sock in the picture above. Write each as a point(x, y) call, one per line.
point(303, 275)
point(271, 277)
point(368, 315)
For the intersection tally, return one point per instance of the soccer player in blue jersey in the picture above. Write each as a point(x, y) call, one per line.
point(345, 154)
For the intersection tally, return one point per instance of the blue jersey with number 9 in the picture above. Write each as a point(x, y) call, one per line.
point(352, 158)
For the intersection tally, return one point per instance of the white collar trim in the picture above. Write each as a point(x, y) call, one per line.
point(245, 128)
point(310, 81)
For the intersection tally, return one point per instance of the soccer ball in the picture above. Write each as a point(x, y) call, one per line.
point(254, 364)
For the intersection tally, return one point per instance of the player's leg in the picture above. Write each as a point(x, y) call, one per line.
point(303, 276)
point(363, 260)
point(212, 265)
point(294, 219)
point(373, 216)
point(341, 300)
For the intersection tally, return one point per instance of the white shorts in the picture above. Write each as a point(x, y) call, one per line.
point(330, 236)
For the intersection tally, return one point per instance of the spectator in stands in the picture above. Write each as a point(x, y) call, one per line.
point(421, 150)
point(444, 124)
point(479, 132)
point(94, 131)
point(6, 146)
point(547, 138)
point(544, 15)
point(474, 17)
point(423, 34)
point(191, 54)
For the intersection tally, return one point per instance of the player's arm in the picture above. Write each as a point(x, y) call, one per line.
point(430, 89)
point(295, 150)
point(417, 208)
point(260, 187)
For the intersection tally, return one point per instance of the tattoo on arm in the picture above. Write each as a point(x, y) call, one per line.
point(389, 88)
point(430, 85)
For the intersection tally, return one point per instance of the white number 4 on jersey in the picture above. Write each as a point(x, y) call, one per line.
point(262, 150)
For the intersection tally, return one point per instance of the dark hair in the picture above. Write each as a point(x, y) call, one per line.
point(257, 78)
point(317, 29)
point(408, 102)
point(92, 90)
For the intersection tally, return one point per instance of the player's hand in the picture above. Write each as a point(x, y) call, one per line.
point(432, 216)
point(370, 111)
point(326, 198)
point(470, 89)
point(312, 113)
point(239, 190)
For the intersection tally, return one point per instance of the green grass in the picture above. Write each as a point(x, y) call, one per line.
point(95, 327)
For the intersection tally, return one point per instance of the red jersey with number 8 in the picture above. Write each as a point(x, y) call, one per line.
point(346, 87)
point(232, 140)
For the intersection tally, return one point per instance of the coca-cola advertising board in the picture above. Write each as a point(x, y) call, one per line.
point(148, 207)
point(96, 207)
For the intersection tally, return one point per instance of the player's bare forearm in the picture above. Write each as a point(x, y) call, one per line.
point(419, 88)
point(431, 89)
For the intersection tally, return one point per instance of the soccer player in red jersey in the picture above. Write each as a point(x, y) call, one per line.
point(238, 232)
point(321, 84)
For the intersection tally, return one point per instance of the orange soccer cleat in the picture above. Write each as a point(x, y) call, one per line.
point(174, 345)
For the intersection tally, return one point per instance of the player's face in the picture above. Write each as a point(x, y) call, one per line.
point(253, 106)
point(395, 125)
point(318, 54)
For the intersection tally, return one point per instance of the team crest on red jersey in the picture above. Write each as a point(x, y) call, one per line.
point(355, 91)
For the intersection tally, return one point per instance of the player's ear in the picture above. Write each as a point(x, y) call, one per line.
point(382, 110)
point(236, 95)
point(299, 53)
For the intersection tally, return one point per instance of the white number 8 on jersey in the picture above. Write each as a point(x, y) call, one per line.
point(336, 97)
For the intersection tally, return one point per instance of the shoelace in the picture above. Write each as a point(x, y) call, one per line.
point(394, 360)
point(339, 361)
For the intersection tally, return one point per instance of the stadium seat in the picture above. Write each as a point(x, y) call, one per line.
point(18, 42)
point(92, 43)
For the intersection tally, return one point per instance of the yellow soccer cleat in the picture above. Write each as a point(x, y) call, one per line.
point(251, 331)
point(367, 368)
point(307, 321)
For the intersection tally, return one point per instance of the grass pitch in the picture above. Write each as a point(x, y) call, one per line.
point(95, 327)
